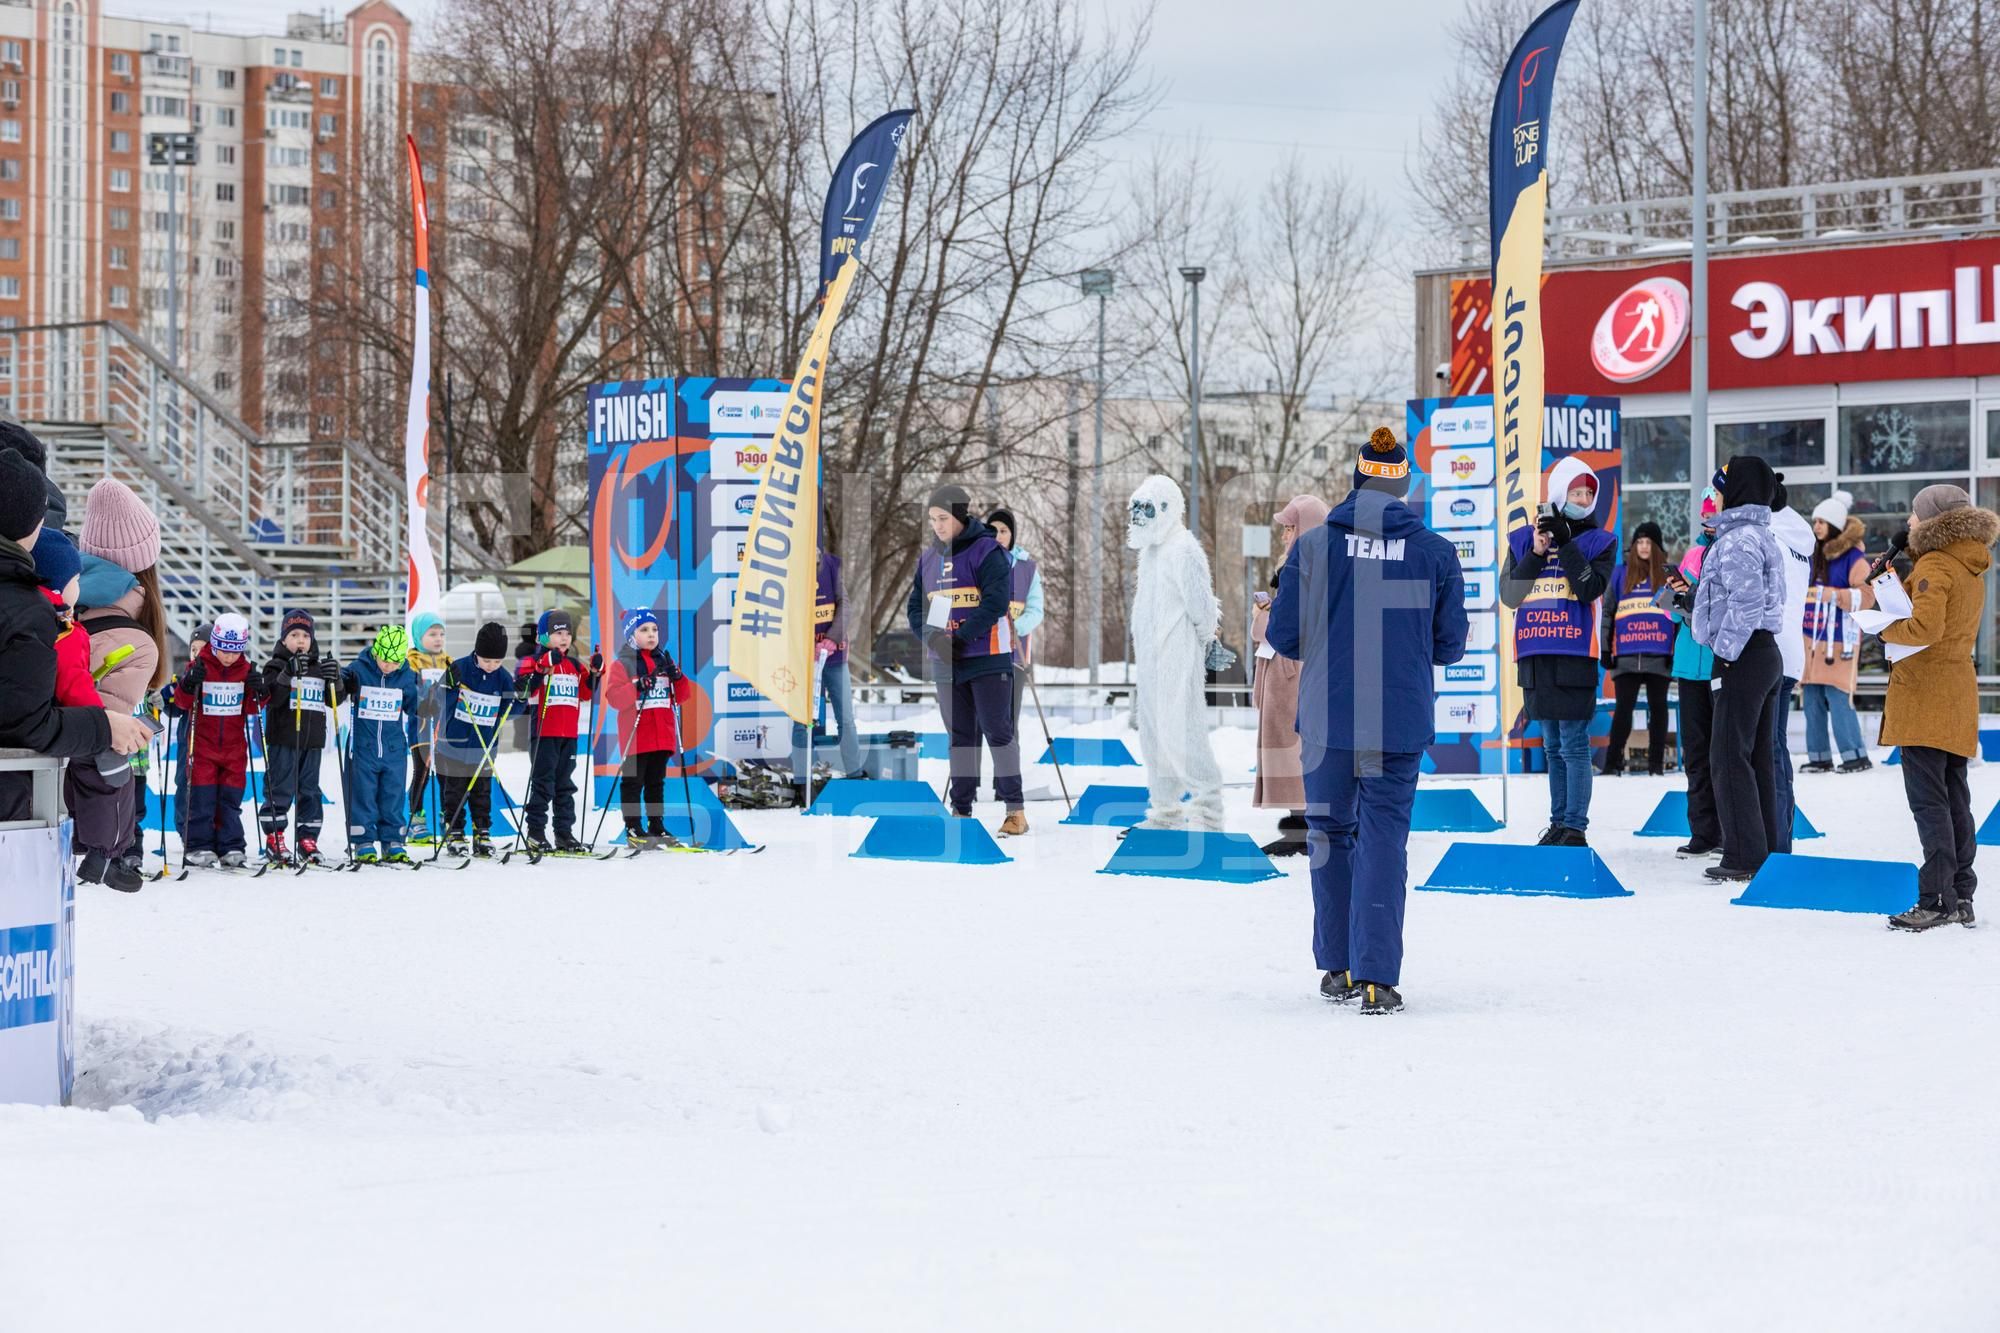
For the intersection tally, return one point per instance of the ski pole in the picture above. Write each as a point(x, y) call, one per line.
point(520, 822)
point(254, 745)
point(680, 752)
point(485, 755)
point(605, 809)
point(166, 778)
point(590, 750)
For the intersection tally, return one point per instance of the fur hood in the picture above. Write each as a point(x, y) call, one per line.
point(1980, 526)
point(1847, 539)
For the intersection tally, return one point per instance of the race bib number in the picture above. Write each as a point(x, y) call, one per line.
point(481, 710)
point(432, 675)
point(222, 698)
point(660, 696)
point(559, 692)
point(309, 694)
point(379, 703)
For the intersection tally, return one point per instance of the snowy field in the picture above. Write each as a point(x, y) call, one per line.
point(799, 1091)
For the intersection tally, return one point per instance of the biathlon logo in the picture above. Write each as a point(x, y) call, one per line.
point(28, 976)
point(1641, 331)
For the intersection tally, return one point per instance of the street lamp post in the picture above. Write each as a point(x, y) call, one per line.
point(1097, 282)
point(172, 151)
point(1194, 275)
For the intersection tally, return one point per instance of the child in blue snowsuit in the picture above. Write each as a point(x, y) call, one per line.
point(475, 697)
point(384, 692)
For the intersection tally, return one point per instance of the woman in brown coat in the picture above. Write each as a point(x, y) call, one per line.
point(1933, 706)
point(1274, 691)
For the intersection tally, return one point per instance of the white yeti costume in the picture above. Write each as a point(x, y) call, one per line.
point(1174, 615)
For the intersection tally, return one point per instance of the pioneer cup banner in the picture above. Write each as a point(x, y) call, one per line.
point(855, 195)
point(1453, 461)
point(1520, 196)
point(424, 591)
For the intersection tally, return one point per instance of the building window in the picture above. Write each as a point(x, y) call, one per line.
point(10, 131)
point(121, 180)
point(225, 268)
point(10, 247)
point(1905, 437)
point(225, 192)
point(326, 238)
point(121, 141)
point(324, 423)
point(225, 78)
point(121, 63)
point(176, 107)
point(120, 257)
point(328, 124)
point(121, 219)
point(10, 289)
point(225, 230)
point(222, 381)
point(427, 136)
point(10, 52)
point(1782, 444)
point(225, 305)
point(121, 297)
point(10, 210)
point(225, 154)
point(284, 157)
point(225, 117)
point(121, 104)
point(329, 88)
point(289, 194)
point(10, 168)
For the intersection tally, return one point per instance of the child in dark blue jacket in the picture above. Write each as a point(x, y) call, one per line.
point(384, 692)
point(476, 696)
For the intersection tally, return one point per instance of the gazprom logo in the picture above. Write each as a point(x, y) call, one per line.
point(28, 976)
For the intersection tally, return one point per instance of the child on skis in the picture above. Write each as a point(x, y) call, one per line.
point(645, 684)
point(103, 813)
point(384, 692)
point(428, 660)
point(217, 691)
point(475, 701)
point(555, 687)
point(300, 685)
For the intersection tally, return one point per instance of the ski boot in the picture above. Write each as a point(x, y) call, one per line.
point(397, 856)
point(659, 837)
point(233, 860)
point(567, 844)
point(308, 852)
point(482, 846)
point(274, 848)
point(1379, 999)
point(92, 869)
point(200, 860)
point(1339, 988)
point(364, 855)
point(535, 845)
point(457, 846)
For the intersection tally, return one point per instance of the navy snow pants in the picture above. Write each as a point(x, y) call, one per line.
point(1358, 826)
point(376, 808)
point(291, 777)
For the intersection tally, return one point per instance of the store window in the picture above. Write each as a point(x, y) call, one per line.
point(1783, 444)
point(1654, 476)
point(1986, 650)
point(1905, 437)
point(1993, 436)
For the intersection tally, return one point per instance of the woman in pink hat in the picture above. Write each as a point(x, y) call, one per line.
point(1274, 691)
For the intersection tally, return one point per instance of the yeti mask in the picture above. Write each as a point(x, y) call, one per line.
point(1155, 514)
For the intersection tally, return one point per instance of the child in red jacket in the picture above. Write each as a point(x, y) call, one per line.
point(555, 686)
point(645, 684)
point(228, 691)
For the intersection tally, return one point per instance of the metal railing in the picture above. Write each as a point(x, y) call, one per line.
point(45, 772)
point(1953, 201)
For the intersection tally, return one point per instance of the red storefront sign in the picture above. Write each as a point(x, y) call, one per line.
point(1882, 312)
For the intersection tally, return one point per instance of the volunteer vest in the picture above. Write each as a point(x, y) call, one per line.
point(1826, 619)
point(1017, 604)
point(956, 575)
point(1552, 619)
point(1639, 627)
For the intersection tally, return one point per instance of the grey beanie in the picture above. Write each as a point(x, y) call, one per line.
point(1939, 499)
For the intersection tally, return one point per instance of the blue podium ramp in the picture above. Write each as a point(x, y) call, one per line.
point(1089, 752)
point(1670, 820)
point(1528, 872)
point(1450, 810)
point(1989, 832)
point(1225, 858)
point(1832, 884)
point(931, 838)
point(1110, 807)
point(878, 798)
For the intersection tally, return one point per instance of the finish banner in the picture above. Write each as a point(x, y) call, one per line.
point(424, 591)
point(1452, 466)
point(1520, 197)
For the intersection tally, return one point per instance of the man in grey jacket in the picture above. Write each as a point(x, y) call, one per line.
point(1739, 610)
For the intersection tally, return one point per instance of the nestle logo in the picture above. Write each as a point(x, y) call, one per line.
point(747, 503)
point(1463, 508)
point(27, 976)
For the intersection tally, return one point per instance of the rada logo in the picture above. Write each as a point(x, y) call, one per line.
point(1640, 331)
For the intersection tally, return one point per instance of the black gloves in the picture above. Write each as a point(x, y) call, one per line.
point(941, 643)
point(1556, 526)
point(597, 664)
point(329, 670)
point(300, 665)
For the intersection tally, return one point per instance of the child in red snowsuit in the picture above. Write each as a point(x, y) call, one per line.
point(555, 686)
point(644, 686)
point(227, 691)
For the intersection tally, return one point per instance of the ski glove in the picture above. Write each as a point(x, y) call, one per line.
point(1220, 656)
point(941, 643)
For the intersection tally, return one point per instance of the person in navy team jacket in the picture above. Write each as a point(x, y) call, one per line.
point(1368, 602)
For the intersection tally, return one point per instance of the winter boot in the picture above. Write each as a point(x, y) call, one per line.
point(1861, 765)
point(125, 879)
point(1552, 836)
point(1695, 851)
point(92, 869)
point(659, 837)
point(200, 860)
point(456, 845)
point(1339, 988)
point(1571, 837)
point(566, 843)
point(1014, 825)
point(1817, 766)
point(1728, 875)
point(1379, 999)
point(1291, 839)
point(1924, 916)
point(308, 851)
point(234, 860)
point(482, 846)
point(274, 847)
point(1965, 917)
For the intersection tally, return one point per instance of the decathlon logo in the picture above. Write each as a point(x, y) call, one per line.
point(741, 692)
point(27, 976)
point(1640, 331)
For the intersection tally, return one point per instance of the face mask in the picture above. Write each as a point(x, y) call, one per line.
point(1575, 511)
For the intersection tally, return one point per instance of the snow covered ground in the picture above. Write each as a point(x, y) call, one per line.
point(800, 1091)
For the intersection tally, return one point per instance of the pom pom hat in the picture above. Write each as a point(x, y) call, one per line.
point(231, 634)
point(1833, 510)
point(1384, 465)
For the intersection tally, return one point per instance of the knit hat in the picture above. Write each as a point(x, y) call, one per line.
point(953, 500)
point(1650, 531)
point(1005, 515)
point(56, 559)
point(392, 643)
point(295, 619)
point(1930, 502)
point(118, 526)
point(24, 499)
point(230, 634)
point(24, 442)
point(422, 623)
point(550, 623)
point(1833, 510)
point(635, 619)
point(492, 640)
point(1781, 495)
point(1750, 482)
point(1304, 511)
point(1384, 465)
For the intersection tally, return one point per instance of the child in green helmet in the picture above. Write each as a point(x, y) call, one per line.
point(384, 692)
